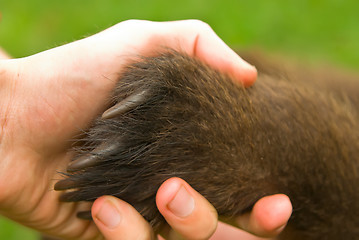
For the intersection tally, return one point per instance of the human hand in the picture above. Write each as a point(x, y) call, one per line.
point(190, 216)
point(49, 98)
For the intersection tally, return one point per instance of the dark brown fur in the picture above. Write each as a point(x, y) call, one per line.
point(233, 145)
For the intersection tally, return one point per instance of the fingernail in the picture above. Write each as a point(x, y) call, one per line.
point(109, 215)
point(182, 204)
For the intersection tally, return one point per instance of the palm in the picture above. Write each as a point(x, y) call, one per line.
point(41, 122)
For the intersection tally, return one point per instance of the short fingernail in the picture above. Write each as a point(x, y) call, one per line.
point(109, 215)
point(182, 204)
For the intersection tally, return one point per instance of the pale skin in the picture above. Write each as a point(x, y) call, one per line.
point(48, 98)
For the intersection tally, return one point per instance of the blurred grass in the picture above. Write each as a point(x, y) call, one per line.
point(12, 231)
point(314, 30)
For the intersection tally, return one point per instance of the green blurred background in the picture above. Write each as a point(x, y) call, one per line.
point(311, 30)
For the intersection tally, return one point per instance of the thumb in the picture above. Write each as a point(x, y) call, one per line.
point(118, 220)
point(189, 214)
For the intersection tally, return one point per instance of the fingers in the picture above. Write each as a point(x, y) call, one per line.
point(193, 217)
point(194, 37)
point(198, 39)
point(117, 220)
point(268, 217)
point(189, 214)
point(207, 46)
